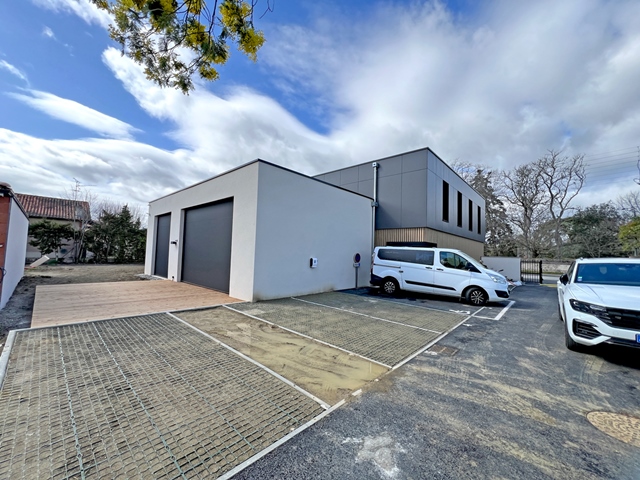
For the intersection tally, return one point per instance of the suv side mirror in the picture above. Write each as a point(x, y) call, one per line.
point(564, 279)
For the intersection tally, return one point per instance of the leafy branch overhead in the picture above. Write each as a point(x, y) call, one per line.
point(176, 39)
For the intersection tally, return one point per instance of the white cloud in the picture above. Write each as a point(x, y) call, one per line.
point(13, 70)
point(82, 8)
point(47, 32)
point(76, 113)
point(500, 88)
point(123, 170)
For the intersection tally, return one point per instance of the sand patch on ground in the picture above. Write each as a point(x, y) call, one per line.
point(328, 373)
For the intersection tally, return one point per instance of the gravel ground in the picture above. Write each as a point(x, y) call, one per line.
point(17, 312)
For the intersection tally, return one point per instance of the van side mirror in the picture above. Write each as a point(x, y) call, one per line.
point(564, 279)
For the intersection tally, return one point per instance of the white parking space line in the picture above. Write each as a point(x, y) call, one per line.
point(430, 344)
point(504, 310)
point(459, 312)
point(365, 315)
point(322, 403)
point(306, 336)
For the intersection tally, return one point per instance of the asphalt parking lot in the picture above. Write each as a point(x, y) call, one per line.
point(497, 397)
point(494, 399)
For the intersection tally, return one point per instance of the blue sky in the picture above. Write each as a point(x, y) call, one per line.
point(337, 83)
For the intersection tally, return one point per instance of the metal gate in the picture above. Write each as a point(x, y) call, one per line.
point(531, 271)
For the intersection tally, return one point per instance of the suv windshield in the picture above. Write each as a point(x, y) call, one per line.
point(626, 274)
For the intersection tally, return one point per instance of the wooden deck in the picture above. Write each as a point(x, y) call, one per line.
point(81, 302)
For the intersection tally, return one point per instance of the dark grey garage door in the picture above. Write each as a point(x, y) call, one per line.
point(206, 254)
point(163, 228)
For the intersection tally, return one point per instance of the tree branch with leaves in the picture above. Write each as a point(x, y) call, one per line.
point(176, 40)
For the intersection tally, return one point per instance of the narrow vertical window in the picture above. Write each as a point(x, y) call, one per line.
point(479, 221)
point(460, 209)
point(445, 201)
point(470, 216)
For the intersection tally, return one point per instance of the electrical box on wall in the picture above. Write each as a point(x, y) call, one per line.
point(313, 262)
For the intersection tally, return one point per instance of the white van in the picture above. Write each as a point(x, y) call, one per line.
point(440, 271)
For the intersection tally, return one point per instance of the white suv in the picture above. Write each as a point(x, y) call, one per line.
point(599, 301)
point(440, 271)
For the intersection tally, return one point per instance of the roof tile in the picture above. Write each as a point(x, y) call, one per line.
point(55, 208)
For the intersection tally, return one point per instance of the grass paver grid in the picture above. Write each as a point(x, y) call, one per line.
point(384, 342)
point(150, 397)
point(416, 316)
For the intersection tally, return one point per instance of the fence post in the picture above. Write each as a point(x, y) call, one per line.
point(540, 272)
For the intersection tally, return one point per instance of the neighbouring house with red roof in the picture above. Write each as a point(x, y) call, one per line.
point(60, 210)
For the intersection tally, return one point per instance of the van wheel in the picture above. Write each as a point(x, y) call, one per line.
point(476, 296)
point(390, 286)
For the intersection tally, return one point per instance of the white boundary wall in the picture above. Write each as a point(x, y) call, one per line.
point(16, 246)
point(507, 266)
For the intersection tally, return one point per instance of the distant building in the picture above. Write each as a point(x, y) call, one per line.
point(14, 225)
point(60, 210)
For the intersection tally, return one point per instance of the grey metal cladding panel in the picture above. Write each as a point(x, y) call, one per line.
point(434, 200)
point(351, 186)
point(349, 175)
point(414, 199)
point(414, 161)
point(206, 257)
point(365, 172)
point(333, 178)
point(390, 166)
point(366, 187)
point(389, 213)
point(163, 232)
point(321, 177)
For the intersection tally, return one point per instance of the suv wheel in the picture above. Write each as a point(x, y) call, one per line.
point(570, 343)
point(390, 286)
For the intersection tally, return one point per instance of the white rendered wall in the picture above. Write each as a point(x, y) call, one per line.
point(299, 218)
point(242, 185)
point(507, 266)
point(16, 246)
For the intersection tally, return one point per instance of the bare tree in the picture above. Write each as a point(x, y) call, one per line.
point(629, 204)
point(562, 178)
point(527, 205)
point(83, 200)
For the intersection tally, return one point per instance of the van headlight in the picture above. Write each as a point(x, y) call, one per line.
point(498, 279)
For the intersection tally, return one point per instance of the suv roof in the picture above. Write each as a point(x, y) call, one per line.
point(608, 260)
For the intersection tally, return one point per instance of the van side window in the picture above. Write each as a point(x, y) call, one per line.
point(424, 258)
point(407, 256)
point(452, 260)
point(391, 254)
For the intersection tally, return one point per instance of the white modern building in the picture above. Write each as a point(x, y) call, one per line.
point(260, 232)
